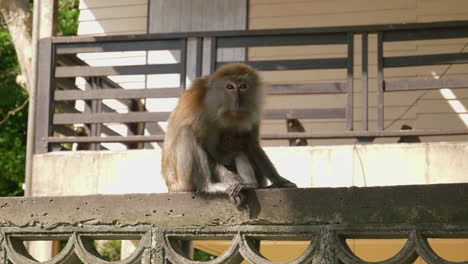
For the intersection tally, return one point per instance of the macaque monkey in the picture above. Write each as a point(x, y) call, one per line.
point(212, 143)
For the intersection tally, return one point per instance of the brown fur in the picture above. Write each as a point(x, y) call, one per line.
point(204, 133)
point(188, 112)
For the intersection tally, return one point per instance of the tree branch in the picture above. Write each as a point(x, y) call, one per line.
point(14, 111)
point(18, 19)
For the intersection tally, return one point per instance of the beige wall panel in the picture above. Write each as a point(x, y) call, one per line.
point(137, 24)
point(461, 93)
point(297, 52)
point(303, 76)
point(443, 17)
point(337, 100)
point(356, 18)
point(426, 7)
point(268, 9)
point(442, 120)
point(113, 12)
point(107, 3)
point(443, 106)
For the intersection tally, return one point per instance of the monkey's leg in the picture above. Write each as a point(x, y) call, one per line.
point(246, 171)
point(266, 168)
point(193, 167)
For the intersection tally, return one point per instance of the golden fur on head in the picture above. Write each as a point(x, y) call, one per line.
point(235, 69)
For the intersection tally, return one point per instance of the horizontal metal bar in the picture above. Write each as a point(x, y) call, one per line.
point(66, 84)
point(412, 85)
point(425, 34)
point(281, 40)
point(116, 94)
point(421, 60)
point(311, 113)
point(272, 136)
point(91, 118)
point(284, 65)
point(356, 134)
point(307, 88)
point(126, 139)
point(72, 48)
point(87, 71)
point(263, 32)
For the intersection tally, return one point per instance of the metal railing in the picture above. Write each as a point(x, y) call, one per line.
point(59, 65)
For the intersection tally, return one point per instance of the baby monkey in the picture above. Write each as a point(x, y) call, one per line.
point(212, 140)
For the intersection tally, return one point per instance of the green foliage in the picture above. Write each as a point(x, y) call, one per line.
point(13, 131)
point(199, 255)
point(67, 17)
point(109, 249)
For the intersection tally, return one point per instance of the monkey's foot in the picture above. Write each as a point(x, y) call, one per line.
point(286, 184)
point(235, 194)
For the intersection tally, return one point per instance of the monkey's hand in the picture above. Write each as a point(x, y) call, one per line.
point(283, 184)
point(235, 194)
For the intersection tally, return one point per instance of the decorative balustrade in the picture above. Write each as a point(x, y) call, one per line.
point(325, 217)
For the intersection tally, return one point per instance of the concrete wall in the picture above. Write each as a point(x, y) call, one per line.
point(137, 171)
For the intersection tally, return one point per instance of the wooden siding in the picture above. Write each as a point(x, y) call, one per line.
point(420, 109)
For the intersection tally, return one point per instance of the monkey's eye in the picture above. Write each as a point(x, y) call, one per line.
point(229, 86)
point(243, 86)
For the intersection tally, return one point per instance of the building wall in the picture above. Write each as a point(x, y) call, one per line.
point(112, 17)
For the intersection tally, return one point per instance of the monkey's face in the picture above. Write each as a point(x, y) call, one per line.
point(234, 95)
point(240, 97)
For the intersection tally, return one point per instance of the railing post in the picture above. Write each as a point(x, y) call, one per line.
point(326, 250)
point(93, 106)
point(183, 62)
point(364, 83)
point(44, 106)
point(380, 83)
point(214, 54)
point(350, 80)
point(199, 58)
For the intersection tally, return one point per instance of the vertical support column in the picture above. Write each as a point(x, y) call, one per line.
point(199, 58)
point(157, 246)
point(183, 63)
point(364, 84)
point(349, 93)
point(326, 249)
point(96, 107)
point(214, 54)
point(380, 84)
point(45, 89)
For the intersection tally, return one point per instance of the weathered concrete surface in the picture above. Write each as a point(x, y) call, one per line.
point(138, 171)
point(428, 204)
point(93, 172)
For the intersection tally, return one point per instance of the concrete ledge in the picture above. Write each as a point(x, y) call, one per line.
point(414, 205)
point(138, 171)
